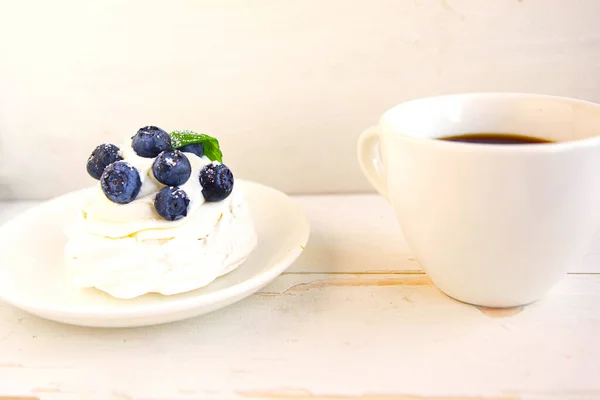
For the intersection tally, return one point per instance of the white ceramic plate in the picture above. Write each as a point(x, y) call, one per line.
point(33, 278)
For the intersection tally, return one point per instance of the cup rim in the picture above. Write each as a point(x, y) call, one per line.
point(553, 147)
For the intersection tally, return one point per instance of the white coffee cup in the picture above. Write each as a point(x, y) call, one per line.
point(492, 225)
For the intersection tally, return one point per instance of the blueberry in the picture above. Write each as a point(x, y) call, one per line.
point(121, 182)
point(196, 148)
point(102, 157)
point(171, 203)
point(149, 141)
point(172, 168)
point(216, 181)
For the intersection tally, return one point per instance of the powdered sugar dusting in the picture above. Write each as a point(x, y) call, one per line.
point(170, 161)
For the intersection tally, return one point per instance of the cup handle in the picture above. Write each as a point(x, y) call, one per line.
point(369, 157)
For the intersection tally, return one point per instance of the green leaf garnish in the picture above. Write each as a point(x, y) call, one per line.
point(212, 150)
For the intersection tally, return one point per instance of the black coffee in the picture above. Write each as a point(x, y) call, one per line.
point(495, 138)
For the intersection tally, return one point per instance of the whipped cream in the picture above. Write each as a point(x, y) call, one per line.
point(128, 250)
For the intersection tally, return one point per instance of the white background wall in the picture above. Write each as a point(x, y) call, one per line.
point(286, 85)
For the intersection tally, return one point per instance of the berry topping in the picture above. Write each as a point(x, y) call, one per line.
point(102, 157)
point(216, 181)
point(121, 182)
point(149, 141)
point(196, 148)
point(172, 168)
point(171, 203)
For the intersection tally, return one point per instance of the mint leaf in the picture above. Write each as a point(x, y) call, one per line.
point(212, 150)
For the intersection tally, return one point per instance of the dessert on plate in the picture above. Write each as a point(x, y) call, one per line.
point(165, 216)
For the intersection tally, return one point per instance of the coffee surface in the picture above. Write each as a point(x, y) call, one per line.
point(494, 138)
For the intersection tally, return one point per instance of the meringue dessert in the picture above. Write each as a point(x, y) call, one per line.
point(165, 217)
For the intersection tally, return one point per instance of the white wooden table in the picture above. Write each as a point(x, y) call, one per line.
point(354, 318)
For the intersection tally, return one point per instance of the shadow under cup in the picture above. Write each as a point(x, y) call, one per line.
point(492, 225)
